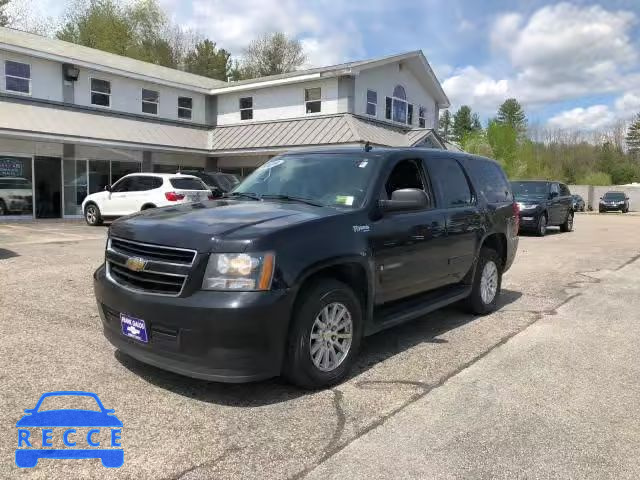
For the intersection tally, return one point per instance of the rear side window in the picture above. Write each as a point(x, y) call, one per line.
point(187, 184)
point(489, 180)
point(148, 183)
point(564, 190)
point(451, 181)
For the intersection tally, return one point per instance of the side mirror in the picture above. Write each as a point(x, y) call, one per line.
point(553, 194)
point(405, 199)
point(216, 192)
point(107, 188)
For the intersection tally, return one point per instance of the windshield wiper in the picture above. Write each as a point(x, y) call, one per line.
point(293, 199)
point(251, 195)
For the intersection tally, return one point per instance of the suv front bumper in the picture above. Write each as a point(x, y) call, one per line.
point(221, 336)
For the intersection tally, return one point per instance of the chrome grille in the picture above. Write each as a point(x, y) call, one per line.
point(164, 270)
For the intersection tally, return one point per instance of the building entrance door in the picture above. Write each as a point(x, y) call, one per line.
point(47, 186)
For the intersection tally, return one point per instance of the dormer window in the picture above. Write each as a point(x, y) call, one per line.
point(312, 100)
point(246, 108)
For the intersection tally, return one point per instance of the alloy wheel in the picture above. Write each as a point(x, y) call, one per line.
point(91, 214)
point(331, 337)
point(489, 282)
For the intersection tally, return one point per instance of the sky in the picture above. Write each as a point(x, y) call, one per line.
point(573, 65)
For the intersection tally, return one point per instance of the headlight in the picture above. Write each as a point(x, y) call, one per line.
point(239, 271)
point(527, 206)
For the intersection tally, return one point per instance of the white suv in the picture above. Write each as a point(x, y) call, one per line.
point(140, 191)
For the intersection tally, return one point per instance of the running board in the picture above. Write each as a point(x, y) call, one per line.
point(415, 307)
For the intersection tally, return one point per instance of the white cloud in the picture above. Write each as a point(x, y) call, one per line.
point(594, 117)
point(561, 52)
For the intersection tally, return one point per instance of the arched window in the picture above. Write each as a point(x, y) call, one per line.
point(397, 107)
point(399, 92)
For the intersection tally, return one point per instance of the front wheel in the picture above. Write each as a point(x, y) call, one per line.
point(541, 229)
point(567, 226)
point(3, 208)
point(325, 335)
point(92, 215)
point(487, 282)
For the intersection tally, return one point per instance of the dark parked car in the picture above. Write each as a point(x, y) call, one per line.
point(578, 204)
point(614, 202)
point(542, 204)
point(311, 252)
point(219, 183)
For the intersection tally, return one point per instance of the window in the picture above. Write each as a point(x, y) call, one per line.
point(489, 180)
point(422, 123)
point(452, 182)
point(100, 92)
point(406, 174)
point(312, 101)
point(387, 108)
point(246, 108)
point(185, 107)
point(150, 100)
point(17, 77)
point(187, 184)
point(372, 103)
point(564, 190)
point(410, 114)
point(397, 106)
point(555, 189)
point(124, 185)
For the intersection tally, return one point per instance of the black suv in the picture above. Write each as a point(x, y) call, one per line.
point(313, 251)
point(219, 183)
point(543, 204)
point(614, 202)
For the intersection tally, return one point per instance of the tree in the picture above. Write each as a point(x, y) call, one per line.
point(633, 137)
point(209, 61)
point(4, 18)
point(445, 124)
point(462, 123)
point(511, 113)
point(476, 125)
point(272, 54)
point(504, 143)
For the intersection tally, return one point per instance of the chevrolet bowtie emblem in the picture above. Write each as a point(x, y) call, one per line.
point(136, 264)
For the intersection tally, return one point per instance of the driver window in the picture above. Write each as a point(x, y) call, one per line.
point(122, 185)
point(406, 174)
point(554, 188)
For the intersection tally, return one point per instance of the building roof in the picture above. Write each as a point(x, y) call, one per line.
point(40, 121)
point(339, 129)
point(340, 69)
point(51, 48)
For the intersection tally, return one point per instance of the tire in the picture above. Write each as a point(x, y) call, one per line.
point(541, 227)
point(147, 207)
point(477, 302)
point(328, 296)
point(567, 226)
point(3, 208)
point(92, 215)
point(625, 210)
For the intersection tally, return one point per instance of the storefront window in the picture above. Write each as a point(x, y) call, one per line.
point(75, 185)
point(98, 175)
point(16, 191)
point(120, 169)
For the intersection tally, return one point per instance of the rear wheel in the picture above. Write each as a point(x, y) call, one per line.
point(325, 335)
point(3, 208)
point(541, 228)
point(567, 226)
point(147, 207)
point(92, 215)
point(487, 282)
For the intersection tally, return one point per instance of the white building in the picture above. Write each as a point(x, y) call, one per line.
point(74, 119)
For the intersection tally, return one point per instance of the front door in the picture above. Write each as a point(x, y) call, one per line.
point(556, 207)
point(407, 246)
point(47, 181)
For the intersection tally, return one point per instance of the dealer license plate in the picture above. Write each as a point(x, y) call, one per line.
point(134, 328)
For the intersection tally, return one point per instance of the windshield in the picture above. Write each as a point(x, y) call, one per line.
point(615, 196)
point(327, 179)
point(530, 189)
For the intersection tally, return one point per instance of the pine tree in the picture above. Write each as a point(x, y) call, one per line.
point(476, 125)
point(633, 137)
point(511, 113)
point(462, 123)
point(444, 125)
point(207, 60)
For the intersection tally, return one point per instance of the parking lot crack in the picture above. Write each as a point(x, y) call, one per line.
point(207, 464)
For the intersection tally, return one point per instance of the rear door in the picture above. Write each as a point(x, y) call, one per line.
point(193, 189)
point(463, 219)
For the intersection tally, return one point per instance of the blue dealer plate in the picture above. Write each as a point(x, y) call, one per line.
point(134, 328)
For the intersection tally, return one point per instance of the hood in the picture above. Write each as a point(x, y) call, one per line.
point(199, 226)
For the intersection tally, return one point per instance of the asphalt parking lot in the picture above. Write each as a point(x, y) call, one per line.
point(435, 398)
